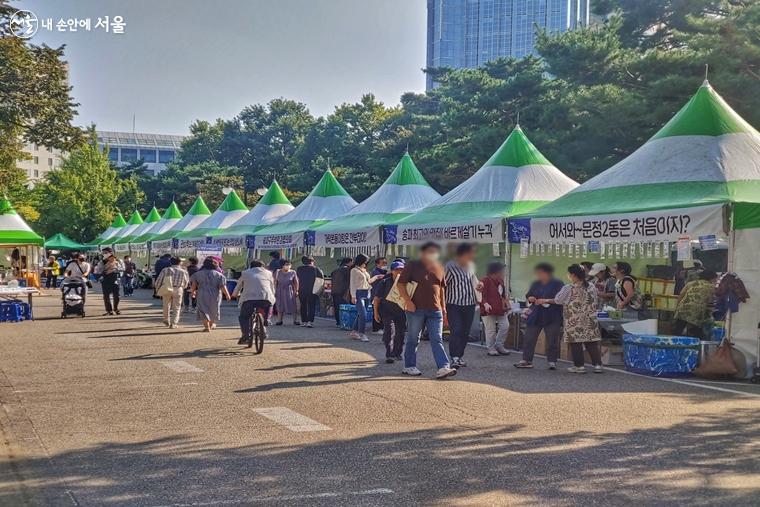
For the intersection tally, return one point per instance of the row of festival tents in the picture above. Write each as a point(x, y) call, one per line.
point(697, 177)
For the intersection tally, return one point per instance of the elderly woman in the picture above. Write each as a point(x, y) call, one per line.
point(695, 304)
point(581, 327)
point(208, 286)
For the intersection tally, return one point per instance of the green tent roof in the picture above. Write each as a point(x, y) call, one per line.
point(119, 221)
point(328, 186)
point(274, 195)
point(13, 230)
point(62, 242)
point(232, 203)
point(706, 154)
point(406, 173)
point(199, 207)
point(172, 212)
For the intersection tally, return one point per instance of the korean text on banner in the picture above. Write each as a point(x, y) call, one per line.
point(661, 225)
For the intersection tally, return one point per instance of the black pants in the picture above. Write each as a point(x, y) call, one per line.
point(247, 310)
point(460, 322)
point(308, 306)
point(50, 281)
point(552, 333)
point(128, 284)
point(111, 290)
point(394, 329)
point(594, 350)
point(338, 299)
point(188, 300)
point(683, 328)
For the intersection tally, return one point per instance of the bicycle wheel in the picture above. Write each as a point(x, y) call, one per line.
point(259, 332)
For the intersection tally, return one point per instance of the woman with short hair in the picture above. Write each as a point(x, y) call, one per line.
point(208, 287)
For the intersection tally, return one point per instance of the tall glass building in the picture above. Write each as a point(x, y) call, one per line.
point(468, 33)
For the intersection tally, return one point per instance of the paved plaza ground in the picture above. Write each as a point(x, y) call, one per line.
point(112, 411)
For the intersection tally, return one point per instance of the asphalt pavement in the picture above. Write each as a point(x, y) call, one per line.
point(120, 411)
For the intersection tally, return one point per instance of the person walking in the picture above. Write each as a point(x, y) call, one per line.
point(694, 311)
point(171, 285)
point(110, 269)
point(341, 282)
point(380, 270)
point(461, 299)
point(494, 308)
point(255, 293)
point(286, 288)
point(360, 285)
point(208, 287)
point(308, 277)
point(187, 300)
point(580, 323)
point(425, 307)
point(163, 262)
point(390, 314)
point(128, 278)
point(52, 270)
point(544, 317)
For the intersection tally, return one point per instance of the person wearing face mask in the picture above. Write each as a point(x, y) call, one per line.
point(542, 317)
point(390, 314)
point(110, 269)
point(425, 307)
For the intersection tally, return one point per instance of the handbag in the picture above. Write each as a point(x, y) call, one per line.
point(319, 286)
point(718, 364)
point(165, 290)
point(394, 296)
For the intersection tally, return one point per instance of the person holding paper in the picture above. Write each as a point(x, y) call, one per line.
point(390, 314)
point(310, 279)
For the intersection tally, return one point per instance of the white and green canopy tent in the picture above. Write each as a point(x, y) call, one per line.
point(327, 201)
point(198, 213)
point(404, 192)
point(272, 206)
point(135, 220)
point(16, 233)
point(117, 226)
point(122, 245)
point(698, 178)
point(230, 211)
point(516, 179)
point(171, 216)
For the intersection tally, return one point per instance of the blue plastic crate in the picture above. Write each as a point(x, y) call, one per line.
point(660, 356)
point(348, 316)
point(11, 312)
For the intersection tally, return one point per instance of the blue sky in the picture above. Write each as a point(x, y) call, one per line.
point(180, 60)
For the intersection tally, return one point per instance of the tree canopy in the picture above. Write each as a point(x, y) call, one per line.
point(589, 98)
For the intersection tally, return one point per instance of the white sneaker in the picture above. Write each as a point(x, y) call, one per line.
point(598, 369)
point(445, 372)
point(363, 338)
point(552, 366)
point(379, 331)
point(455, 362)
point(493, 353)
point(353, 335)
point(577, 369)
point(309, 324)
point(462, 362)
point(412, 371)
point(502, 351)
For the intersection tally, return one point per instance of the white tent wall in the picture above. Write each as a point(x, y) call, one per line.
point(744, 323)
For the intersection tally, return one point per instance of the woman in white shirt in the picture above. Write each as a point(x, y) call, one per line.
point(360, 284)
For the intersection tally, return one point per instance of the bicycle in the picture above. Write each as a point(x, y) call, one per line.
point(258, 331)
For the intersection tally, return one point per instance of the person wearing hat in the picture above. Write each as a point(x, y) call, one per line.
point(600, 276)
point(389, 314)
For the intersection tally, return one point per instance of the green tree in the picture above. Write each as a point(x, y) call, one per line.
point(81, 198)
point(35, 102)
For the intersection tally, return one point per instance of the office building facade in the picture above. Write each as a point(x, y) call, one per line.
point(469, 33)
point(41, 161)
point(155, 150)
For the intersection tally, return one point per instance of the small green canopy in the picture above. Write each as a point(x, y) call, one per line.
point(62, 242)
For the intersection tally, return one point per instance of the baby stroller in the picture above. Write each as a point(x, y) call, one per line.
point(72, 296)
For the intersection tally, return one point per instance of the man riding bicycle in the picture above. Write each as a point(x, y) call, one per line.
point(255, 293)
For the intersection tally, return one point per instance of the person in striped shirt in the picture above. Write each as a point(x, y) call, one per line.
point(461, 300)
